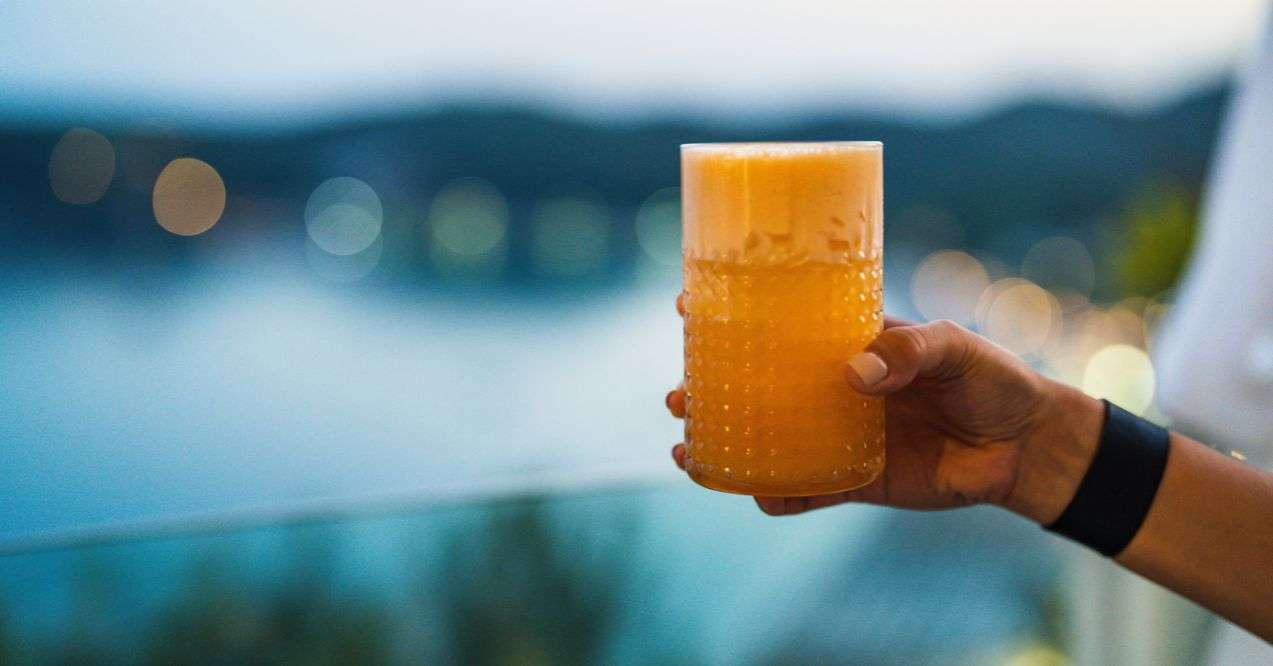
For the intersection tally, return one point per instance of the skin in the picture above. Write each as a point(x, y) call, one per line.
point(970, 423)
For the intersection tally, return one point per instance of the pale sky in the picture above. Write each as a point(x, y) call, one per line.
point(238, 58)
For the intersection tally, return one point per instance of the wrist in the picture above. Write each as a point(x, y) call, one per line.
point(1055, 453)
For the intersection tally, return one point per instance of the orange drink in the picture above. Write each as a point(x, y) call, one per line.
point(783, 270)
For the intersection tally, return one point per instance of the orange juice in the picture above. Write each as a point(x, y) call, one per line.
point(783, 270)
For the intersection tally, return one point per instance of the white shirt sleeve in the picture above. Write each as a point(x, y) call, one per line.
point(1215, 357)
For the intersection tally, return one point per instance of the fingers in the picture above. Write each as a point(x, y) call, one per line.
point(790, 506)
point(894, 322)
point(680, 304)
point(675, 401)
point(678, 456)
point(902, 353)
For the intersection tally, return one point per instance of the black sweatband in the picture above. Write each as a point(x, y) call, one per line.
point(1119, 487)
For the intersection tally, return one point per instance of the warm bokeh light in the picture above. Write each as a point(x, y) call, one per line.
point(1037, 655)
point(81, 166)
point(344, 268)
point(467, 227)
point(658, 227)
point(1122, 374)
point(1019, 315)
point(947, 285)
point(343, 216)
point(1060, 262)
point(1071, 301)
point(570, 237)
point(1088, 329)
point(189, 197)
point(1115, 325)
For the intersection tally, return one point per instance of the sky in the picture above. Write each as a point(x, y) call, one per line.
point(240, 59)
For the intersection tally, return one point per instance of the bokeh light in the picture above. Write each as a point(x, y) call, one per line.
point(1037, 655)
point(1115, 325)
point(1071, 301)
point(947, 285)
point(1019, 315)
point(1060, 262)
point(189, 197)
point(81, 166)
point(570, 237)
point(467, 228)
point(1121, 374)
point(343, 216)
point(658, 227)
point(1087, 330)
point(344, 268)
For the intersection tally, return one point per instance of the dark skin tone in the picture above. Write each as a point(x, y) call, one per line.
point(967, 422)
point(957, 423)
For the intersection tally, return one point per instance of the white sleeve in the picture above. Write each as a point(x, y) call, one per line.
point(1215, 356)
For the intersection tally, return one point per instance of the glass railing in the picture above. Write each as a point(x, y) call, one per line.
point(630, 573)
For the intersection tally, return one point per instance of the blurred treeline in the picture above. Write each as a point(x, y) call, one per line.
point(542, 581)
point(993, 184)
point(512, 587)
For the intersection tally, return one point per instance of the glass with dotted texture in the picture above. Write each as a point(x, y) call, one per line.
point(783, 269)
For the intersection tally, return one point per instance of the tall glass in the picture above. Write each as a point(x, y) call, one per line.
point(783, 270)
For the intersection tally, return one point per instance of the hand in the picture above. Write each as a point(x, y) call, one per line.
point(966, 422)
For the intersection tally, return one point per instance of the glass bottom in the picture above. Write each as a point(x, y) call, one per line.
point(728, 485)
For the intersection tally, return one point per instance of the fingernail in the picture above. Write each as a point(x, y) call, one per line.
point(667, 400)
point(869, 368)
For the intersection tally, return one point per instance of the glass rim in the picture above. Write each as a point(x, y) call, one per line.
point(735, 145)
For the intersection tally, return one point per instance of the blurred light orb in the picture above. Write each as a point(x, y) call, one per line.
point(1113, 326)
point(570, 237)
point(1060, 262)
point(1121, 374)
point(1037, 655)
point(344, 268)
point(1071, 301)
point(189, 197)
point(658, 227)
point(1126, 326)
point(81, 166)
point(343, 216)
point(467, 226)
point(1021, 316)
point(987, 297)
point(947, 285)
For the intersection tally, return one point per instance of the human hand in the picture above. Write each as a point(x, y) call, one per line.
point(966, 422)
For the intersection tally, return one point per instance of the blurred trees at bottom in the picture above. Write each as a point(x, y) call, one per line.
point(513, 587)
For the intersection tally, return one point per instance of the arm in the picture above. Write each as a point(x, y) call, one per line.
point(1209, 535)
point(970, 423)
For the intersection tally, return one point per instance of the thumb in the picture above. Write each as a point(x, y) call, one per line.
point(902, 353)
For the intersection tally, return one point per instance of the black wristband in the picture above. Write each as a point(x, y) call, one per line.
point(1115, 495)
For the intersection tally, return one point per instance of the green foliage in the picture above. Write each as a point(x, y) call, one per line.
point(7, 647)
point(304, 620)
point(515, 595)
point(516, 586)
point(1155, 237)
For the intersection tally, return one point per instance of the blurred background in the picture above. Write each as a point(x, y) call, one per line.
point(339, 332)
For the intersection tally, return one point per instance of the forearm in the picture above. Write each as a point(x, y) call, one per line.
point(1209, 535)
